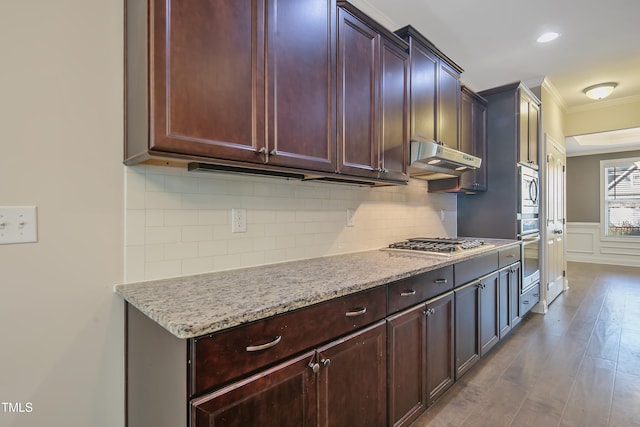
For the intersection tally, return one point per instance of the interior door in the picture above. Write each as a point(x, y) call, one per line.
point(555, 233)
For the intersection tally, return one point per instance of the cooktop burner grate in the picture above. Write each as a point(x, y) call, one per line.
point(441, 246)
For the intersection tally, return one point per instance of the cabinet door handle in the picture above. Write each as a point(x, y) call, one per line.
point(429, 311)
point(357, 312)
point(315, 367)
point(265, 346)
point(273, 152)
point(261, 150)
point(536, 295)
point(510, 256)
point(526, 302)
point(325, 362)
point(440, 281)
point(408, 293)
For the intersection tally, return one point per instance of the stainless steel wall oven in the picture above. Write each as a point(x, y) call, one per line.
point(529, 225)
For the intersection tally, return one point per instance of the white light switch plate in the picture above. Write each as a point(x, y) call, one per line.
point(18, 224)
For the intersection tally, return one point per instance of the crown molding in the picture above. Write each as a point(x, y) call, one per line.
point(545, 83)
point(598, 105)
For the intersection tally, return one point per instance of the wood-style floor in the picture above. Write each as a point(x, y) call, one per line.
point(579, 365)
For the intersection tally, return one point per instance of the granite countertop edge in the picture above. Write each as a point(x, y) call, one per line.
point(202, 304)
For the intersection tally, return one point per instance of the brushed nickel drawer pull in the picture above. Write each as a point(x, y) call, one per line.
point(408, 293)
point(440, 281)
point(358, 312)
point(265, 346)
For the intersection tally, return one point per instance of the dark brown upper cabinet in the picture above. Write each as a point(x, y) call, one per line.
point(240, 83)
point(473, 140)
point(529, 126)
point(372, 98)
point(434, 90)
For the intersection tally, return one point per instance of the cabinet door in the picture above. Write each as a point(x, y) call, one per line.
point(353, 383)
point(358, 58)
point(467, 138)
point(505, 300)
point(301, 83)
point(284, 395)
point(448, 105)
point(207, 98)
point(440, 336)
point(467, 303)
point(424, 82)
point(534, 119)
point(394, 135)
point(523, 126)
point(480, 145)
point(515, 279)
point(407, 365)
point(489, 327)
point(473, 139)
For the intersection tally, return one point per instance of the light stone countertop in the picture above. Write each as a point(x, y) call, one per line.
point(197, 305)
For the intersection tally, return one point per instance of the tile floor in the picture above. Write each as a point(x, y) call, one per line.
point(579, 365)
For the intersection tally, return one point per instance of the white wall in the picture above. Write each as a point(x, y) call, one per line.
point(179, 222)
point(586, 244)
point(61, 327)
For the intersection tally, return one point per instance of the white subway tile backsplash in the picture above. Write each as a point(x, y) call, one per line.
point(154, 217)
point(213, 217)
point(135, 227)
point(181, 217)
point(154, 253)
point(155, 183)
point(162, 269)
point(212, 248)
point(179, 222)
point(134, 263)
point(155, 235)
point(181, 250)
point(180, 184)
point(161, 200)
point(197, 233)
point(197, 265)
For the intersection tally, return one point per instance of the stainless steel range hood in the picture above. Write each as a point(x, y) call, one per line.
point(431, 160)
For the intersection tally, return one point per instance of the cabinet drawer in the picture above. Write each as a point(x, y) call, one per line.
point(471, 269)
point(416, 289)
point(529, 299)
point(508, 256)
point(221, 357)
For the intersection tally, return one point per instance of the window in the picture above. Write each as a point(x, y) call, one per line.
point(620, 183)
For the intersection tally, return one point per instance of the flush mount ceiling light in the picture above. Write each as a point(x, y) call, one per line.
point(547, 37)
point(599, 91)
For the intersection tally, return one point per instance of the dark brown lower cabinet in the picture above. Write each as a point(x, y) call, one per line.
point(340, 384)
point(467, 300)
point(352, 381)
point(509, 312)
point(284, 395)
point(421, 363)
point(440, 344)
point(478, 321)
point(489, 323)
point(407, 365)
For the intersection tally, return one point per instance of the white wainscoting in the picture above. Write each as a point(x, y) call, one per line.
point(584, 244)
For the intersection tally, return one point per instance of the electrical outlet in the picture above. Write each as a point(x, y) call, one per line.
point(238, 220)
point(18, 224)
point(350, 215)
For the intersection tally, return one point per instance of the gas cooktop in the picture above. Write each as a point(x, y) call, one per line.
point(444, 246)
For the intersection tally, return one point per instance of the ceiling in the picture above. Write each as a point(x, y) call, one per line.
point(494, 41)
